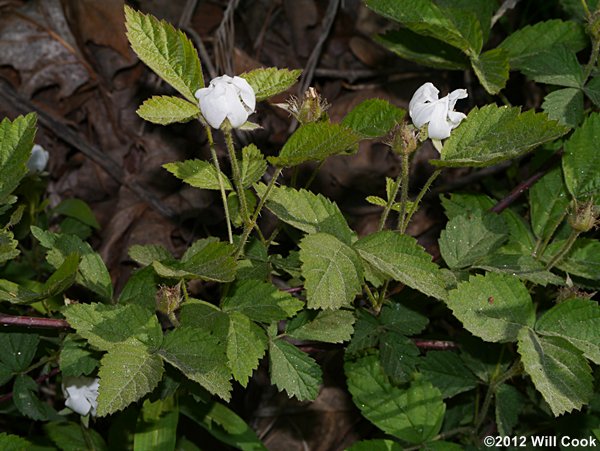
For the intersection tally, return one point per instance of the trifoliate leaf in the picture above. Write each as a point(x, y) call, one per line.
point(373, 118)
point(332, 270)
point(267, 82)
point(261, 301)
point(528, 42)
point(493, 134)
point(491, 68)
point(329, 326)
point(494, 307)
point(414, 414)
point(401, 258)
point(308, 212)
point(127, 372)
point(315, 142)
point(166, 110)
point(446, 371)
point(246, 345)
point(294, 371)
point(167, 51)
point(16, 142)
point(253, 165)
point(556, 66)
point(200, 356)
point(565, 106)
point(581, 161)
point(558, 370)
point(198, 173)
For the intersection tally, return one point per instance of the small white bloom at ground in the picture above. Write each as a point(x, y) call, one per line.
point(38, 159)
point(81, 394)
point(226, 98)
point(425, 107)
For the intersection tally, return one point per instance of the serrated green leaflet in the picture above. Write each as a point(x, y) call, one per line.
point(332, 270)
point(294, 371)
point(15, 293)
point(140, 289)
point(148, 253)
point(494, 307)
point(270, 81)
point(509, 404)
point(401, 258)
point(548, 200)
point(18, 350)
point(315, 142)
point(581, 161)
point(329, 326)
point(491, 68)
point(75, 359)
point(583, 260)
point(523, 266)
point(398, 356)
point(558, 370)
point(200, 356)
point(565, 106)
point(529, 41)
point(10, 442)
point(73, 436)
point(307, 211)
point(166, 110)
point(423, 49)
point(77, 209)
point(446, 371)
point(578, 322)
point(16, 142)
point(592, 90)
point(366, 333)
point(127, 372)
point(468, 238)
point(398, 318)
point(167, 51)
point(156, 428)
point(493, 134)
point(246, 345)
point(261, 301)
point(109, 326)
point(26, 400)
point(253, 165)
point(557, 66)
point(8, 246)
point(373, 118)
point(198, 173)
point(414, 414)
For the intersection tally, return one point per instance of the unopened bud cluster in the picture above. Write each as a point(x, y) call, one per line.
point(311, 108)
point(584, 217)
point(403, 139)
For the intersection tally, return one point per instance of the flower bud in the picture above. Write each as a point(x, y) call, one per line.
point(583, 217)
point(38, 159)
point(311, 108)
point(403, 139)
point(230, 98)
point(168, 299)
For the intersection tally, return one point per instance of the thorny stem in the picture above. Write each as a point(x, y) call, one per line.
point(404, 193)
point(237, 176)
point(390, 203)
point(422, 193)
point(566, 247)
point(250, 226)
point(33, 322)
point(213, 154)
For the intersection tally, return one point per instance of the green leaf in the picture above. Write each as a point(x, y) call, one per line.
point(75, 359)
point(575, 8)
point(556, 66)
point(592, 90)
point(583, 260)
point(261, 301)
point(565, 106)
point(373, 118)
point(256, 264)
point(308, 212)
point(401, 258)
point(294, 371)
point(366, 333)
point(446, 371)
point(127, 372)
point(267, 82)
point(398, 318)
point(201, 356)
point(16, 142)
point(167, 51)
point(27, 402)
point(332, 270)
point(530, 41)
point(494, 307)
point(493, 134)
point(9, 442)
point(398, 356)
point(253, 165)
point(491, 68)
point(166, 110)
point(423, 49)
point(468, 238)
point(18, 350)
point(549, 201)
point(329, 326)
point(207, 259)
point(63, 277)
point(414, 415)
point(198, 173)
point(375, 445)
point(77, 209)
point(109, 326)
point(315, 142)
point(525, 267)
point(72, 437)
point(156, 427)
point(8, 246)
point(246, 345)
point(16, 294)
point(558, 370)
point(578, 322)
point(509, 404)
point(140, 289)
point(148, 253)
point(581, 162)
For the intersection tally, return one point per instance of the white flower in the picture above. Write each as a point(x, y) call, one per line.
point(226, 97)
point(81, 394)
point(425, 107)
point(38, 159)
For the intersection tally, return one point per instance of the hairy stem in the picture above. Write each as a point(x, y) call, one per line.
point(422, 193)
point(566, 247)
point(215, 159)
point(402, 223)
point(237, 176)
point(390, 203)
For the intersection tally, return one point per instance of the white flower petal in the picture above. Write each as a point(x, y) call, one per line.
point(236, 111)
point(38, 160)
point(246, 92)
point(455, 118)
point(421, 114)
point(81, 394)
point(226, 97)
point(426, 93)
point(439, 128)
